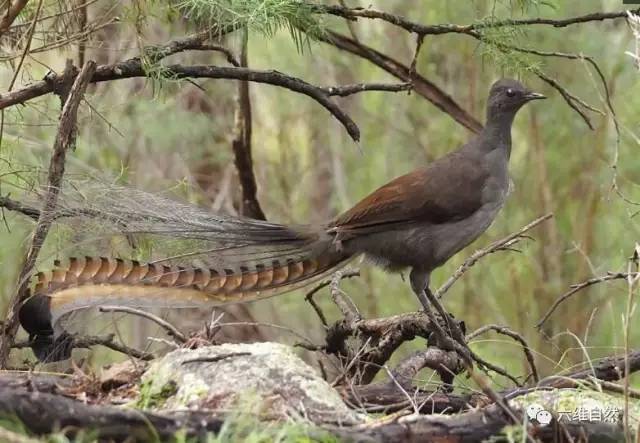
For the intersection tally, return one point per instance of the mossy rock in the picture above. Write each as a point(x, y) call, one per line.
point(266, 378)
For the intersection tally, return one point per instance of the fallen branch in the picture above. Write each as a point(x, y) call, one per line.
point(445, 363)
point(44, 413)
point(385, 336)
point(474, 426)
point(608, 369)
point(89, 341)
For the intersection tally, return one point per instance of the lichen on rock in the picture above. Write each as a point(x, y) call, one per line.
point(279, 383)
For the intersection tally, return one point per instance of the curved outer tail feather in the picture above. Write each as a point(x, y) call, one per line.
point(86, 282)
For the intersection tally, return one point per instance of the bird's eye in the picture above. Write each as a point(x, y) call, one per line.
point(510, 92)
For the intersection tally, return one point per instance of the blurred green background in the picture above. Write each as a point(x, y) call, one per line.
point(156, 134)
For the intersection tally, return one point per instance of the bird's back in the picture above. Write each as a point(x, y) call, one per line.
point(426, 216)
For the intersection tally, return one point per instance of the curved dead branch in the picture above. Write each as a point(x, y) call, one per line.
point(420, 84)
point(65, 139)
point(517, 337)
point(577, 288)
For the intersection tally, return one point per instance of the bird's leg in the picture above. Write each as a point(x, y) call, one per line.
point(452, 338)
point(452, 325)
point(420, 284)
point(419, 280)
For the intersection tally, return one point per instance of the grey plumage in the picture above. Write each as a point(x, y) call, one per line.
point(422, 219)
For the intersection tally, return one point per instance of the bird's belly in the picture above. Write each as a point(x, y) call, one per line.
point(427, 245)
point(448, 239)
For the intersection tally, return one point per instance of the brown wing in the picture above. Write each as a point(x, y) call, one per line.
point(447, 190)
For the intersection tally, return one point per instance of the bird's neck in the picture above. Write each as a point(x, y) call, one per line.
point(496, 134)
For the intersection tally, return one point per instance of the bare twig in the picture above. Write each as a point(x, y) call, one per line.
point(517, 337)
point(412, 402)
point(569, 98)
point(196, 42)
point(65, 139)
point(352, 362)
point(345, 304)
point(171, 330)
point(500, 245)
point(309, 296)
point(578, 287)
point(52, 16)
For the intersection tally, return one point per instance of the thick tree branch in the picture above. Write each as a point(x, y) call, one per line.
point(475, 31)
point(16, 206)
point(420, 29)
point(420, 84)
point(44, 413)
point(13, 10)
point(135, 68)
point(608, 369)
point(346, 90)
point(65, 139)
point(241, 144)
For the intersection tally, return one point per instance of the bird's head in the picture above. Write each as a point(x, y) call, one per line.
point(507, 96)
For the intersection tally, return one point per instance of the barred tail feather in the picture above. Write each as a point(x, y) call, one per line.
point(89, 281)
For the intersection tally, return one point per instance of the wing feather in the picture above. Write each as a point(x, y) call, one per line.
point(445, 191)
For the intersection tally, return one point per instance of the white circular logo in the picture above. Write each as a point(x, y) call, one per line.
point(537, 413)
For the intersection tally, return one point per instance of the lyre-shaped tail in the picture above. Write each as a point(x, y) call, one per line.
point(93, 281)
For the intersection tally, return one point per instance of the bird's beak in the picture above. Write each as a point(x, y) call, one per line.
point(534, 96)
